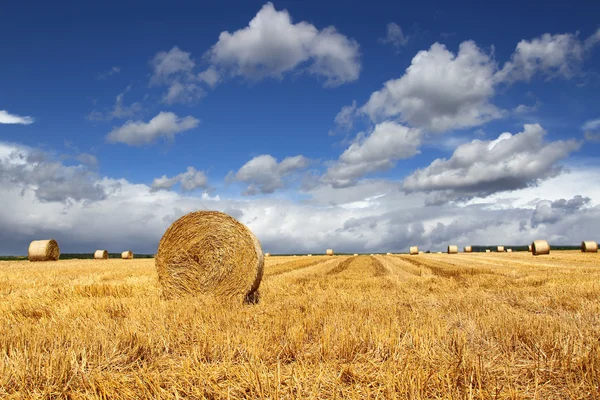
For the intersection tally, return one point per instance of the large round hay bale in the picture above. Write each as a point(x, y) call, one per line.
point(209, 252)
point(43, 250)
point(539, 247)
point(452, 249)
point(127, 255)
point(413, 250)
point(529, 248)
point(101, 255)
point(488, 251)
point(329, 252)
point(500, 249)
point(509, 250)
point(468, 249)
point(355, 254)
point(267, 254)
point(589, 247)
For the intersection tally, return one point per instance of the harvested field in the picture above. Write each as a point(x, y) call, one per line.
point(469, 325)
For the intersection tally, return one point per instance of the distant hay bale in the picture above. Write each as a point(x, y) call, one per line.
point(267, 254)
point(309, 255)
point(127, 255)
point(468, 249)
point(439, 252)
point(329, 252)
point(509, 250)
point(589, 247)
point(452, 249)
point(389, 254)
point(488, 251)
point(355, 254)
point(539, 247)
point(421, 252)
point(529, 248)
point(100, 255)
point(500, 249)
point(43, 250)
point(413, 250)
point(209, 252)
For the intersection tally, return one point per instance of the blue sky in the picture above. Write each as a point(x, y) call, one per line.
point(371, 128)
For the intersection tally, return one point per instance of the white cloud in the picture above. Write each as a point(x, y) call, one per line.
point(591, 125)
point(272, 45)
point(481, 168)
point(45, 178)
point(210, 76)
point(264, 174)
point(440, 91)
point(549, 55)
point(167, 64)
point(7, 118)
point(345, 118)
point(371, 216)
point(87, 159)
point(165, 124)
point(182, 93)
point(525, 109)
point(110, 72)
point(119, 110)
point(394, 36)
point(376, 151)
point(190, 180)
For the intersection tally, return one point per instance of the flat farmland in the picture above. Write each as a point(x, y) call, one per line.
point(431, 326)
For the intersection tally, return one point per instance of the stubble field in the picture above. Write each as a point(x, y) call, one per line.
point(432, 326)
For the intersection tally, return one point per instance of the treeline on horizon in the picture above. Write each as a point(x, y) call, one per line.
point(77, 256)
point(476, 249)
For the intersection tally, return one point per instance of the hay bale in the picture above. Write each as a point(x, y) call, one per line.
point(488, 251)
point(389, 254)
point(509, 250)
point(43, 250)
point(539, 247)
point(101, 255)
point(355, 254)
point(127, 255)
point(329, 252)
point(452, 249)
point(413, 250)
point(439, 252)
point(267, 254)
point(589, 247)
point(529, 248)
point(421, 252)
point(209, 252)
point(309, 255)
point(500, 249)
point(468, 249)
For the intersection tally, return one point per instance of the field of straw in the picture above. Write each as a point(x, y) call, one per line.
point(430, 326)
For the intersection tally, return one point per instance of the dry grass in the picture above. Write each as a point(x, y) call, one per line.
point(501, 326)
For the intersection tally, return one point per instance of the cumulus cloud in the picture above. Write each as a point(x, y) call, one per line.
point(372, 216)
point(480, 168)
point(550, 212)
point(47, 179)
point(394, 36)
point(271, 45)
point(378, 150)
point(264, 174)
point(440, 90)
point(190, 180)
point(7, 118)
point(175, 69)
point(553, 56)
point(210, 76)
point(87, 159)
point(165, 124)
